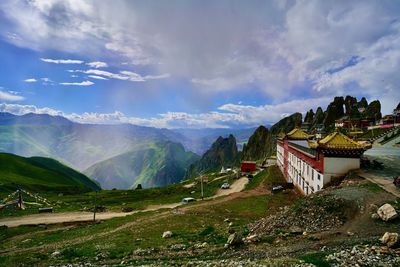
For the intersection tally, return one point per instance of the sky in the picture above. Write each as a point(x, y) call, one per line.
point(195, 64)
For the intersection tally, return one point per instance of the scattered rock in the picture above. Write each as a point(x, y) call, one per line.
point(227, 220)
point(350, 233)
point(373, 207)
point(311, 216)
point(201, 245)
point(56, 254)
point(390, 239)
point(252, 239)
point(178, 247)
point(233, 240)
point(295, 230)
point(167, 234)
point(387, 212)
point(375, 216)
point(365, 256)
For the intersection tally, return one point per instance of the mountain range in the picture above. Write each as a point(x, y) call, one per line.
point(86, 147)
point(153, 164)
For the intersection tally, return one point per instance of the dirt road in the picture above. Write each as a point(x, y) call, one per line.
point(237, 186)
point(53, 218)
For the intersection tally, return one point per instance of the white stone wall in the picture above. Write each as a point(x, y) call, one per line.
point(336, 167)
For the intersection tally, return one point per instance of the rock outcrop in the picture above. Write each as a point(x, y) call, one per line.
point(223, 152)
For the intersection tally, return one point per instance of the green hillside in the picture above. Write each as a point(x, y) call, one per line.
point(41, 174)
point(150, 164)
point(223, 152)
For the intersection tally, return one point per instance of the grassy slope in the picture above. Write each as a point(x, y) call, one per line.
point(198, 224)
point(115, 200)
point(41, 174)
point(150, 164)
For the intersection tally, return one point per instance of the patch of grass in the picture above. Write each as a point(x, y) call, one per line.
point(207, 231)
point(317, 258)
point(71, 253)
point(267, 178)
point(374, 188)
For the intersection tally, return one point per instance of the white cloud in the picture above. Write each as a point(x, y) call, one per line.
point(97, 64)
point(274, 47)
point(25, 109)
point(84, 83)
point(122, 75)
point(97, 77)
point(62, 61)
point(47, 81)
point(30, 80)
point(229, 115)
point(7, 96)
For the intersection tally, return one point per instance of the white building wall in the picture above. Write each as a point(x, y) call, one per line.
point(279, 156)
point(304, 176)
point(339, 167)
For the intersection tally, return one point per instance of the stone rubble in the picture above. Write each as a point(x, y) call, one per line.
point(365, 255)
point(311, 217)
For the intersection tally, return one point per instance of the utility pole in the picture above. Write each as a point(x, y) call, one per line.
point(202, 191)
point(19, 198)
point(95, 207)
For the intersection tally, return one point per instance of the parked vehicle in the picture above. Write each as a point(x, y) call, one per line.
point(188, 200)
point(276, 189)
point(225, 186)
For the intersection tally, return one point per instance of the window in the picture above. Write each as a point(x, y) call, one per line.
point(312, 175)
point(308, 169)
point(319, 177)
point(318, 187)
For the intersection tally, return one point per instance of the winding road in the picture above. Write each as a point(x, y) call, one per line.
point(65, 217)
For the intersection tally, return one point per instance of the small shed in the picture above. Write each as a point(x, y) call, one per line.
point(248, 166)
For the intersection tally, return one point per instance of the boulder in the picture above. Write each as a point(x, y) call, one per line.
point(390, 239)
point(233, 240)
point(167, 234)
point(386, 212)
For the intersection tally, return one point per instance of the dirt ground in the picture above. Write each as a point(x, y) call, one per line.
point(237, 186)
point(53, 218)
